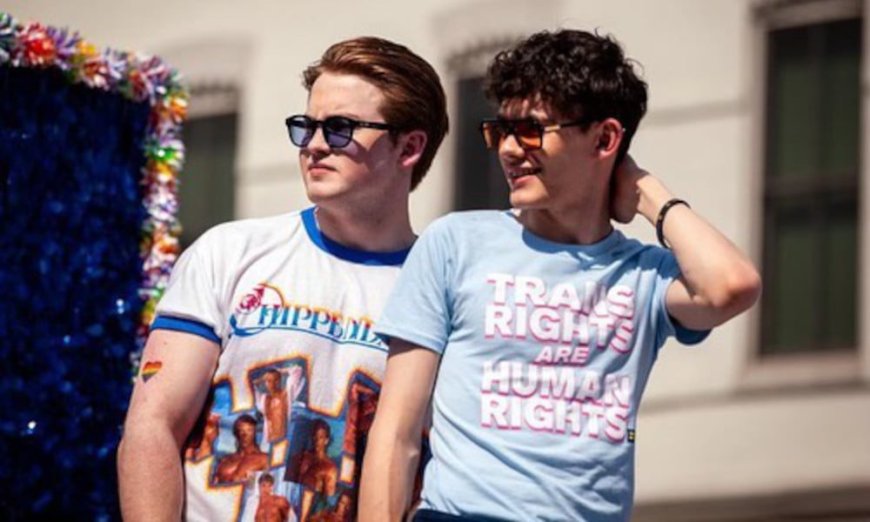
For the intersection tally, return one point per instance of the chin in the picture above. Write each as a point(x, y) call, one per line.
point(521, 201)
point(320, 192)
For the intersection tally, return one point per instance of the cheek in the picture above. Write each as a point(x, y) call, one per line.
point(504, 162)
point(564, 164)
point(352, 173)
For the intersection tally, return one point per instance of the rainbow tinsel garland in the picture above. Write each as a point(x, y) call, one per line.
point(139, 78)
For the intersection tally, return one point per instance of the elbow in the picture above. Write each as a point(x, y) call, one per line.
point(745, 289)
point(144, 433)
point(128, 446)
point(385, 442)
point(133, 441)
point(738, 292)
point(120, 458)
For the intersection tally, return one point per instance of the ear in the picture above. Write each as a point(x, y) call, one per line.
point(412, 145)
point(609, 138)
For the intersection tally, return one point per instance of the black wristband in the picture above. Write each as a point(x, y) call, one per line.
point(660, 220)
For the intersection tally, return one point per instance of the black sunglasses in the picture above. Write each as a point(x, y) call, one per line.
point(528, 132)
point(337, 130)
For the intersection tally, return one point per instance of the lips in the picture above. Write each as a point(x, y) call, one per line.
point(319, 168)
point(518, 173)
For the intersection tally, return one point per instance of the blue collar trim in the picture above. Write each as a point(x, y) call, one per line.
point(349, 254)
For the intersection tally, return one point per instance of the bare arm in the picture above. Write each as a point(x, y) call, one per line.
point(718, 281)
point(393, 450)
point(162, 412)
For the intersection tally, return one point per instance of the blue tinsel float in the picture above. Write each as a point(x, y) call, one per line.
point(71, 217)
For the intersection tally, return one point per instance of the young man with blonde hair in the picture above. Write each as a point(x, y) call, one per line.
point(288, 294)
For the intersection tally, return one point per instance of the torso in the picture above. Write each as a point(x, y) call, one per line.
point(295, 308)
point(549, 350)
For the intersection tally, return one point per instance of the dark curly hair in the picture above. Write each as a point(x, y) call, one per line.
point(579, 74)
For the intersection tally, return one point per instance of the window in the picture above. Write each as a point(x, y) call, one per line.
point(811, 182)
point(478, 179)
point(207, 182)
point(480, 183)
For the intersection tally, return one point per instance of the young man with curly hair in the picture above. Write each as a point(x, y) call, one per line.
point(533, 331)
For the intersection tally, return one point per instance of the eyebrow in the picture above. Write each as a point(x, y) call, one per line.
point(541, 121)
point(342, 114)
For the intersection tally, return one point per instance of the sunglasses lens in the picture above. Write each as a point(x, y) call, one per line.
point(528, 134)
point(493, 132)
point(338, 131)
point(301, 130)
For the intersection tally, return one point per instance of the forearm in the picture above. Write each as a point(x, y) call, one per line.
point(714, 269)
point(393, 452)
point(150, 476)
point(388, 476)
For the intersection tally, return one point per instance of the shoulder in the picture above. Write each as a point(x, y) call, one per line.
point(472, 217)
point(230, 459)
point(470, 222)
point(236, 237)
point(254, 228)
point(645, 256)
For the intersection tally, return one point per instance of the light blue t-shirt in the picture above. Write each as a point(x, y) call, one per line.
point(545, 351)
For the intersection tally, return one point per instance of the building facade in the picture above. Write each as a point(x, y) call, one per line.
point(758, 116)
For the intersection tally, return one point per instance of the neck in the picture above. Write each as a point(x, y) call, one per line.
point(383, 230)
point(583, 223)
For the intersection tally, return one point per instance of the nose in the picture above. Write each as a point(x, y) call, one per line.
point(510, 149)
point(318, 144)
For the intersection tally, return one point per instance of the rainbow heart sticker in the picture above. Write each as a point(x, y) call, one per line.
point(150, 369)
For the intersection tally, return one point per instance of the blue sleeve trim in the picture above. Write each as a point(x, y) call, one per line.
point(177, 324)
point(349, 254)
point(387, 333)
point(687, 336)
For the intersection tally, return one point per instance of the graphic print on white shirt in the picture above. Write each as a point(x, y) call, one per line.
point(298, 378)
